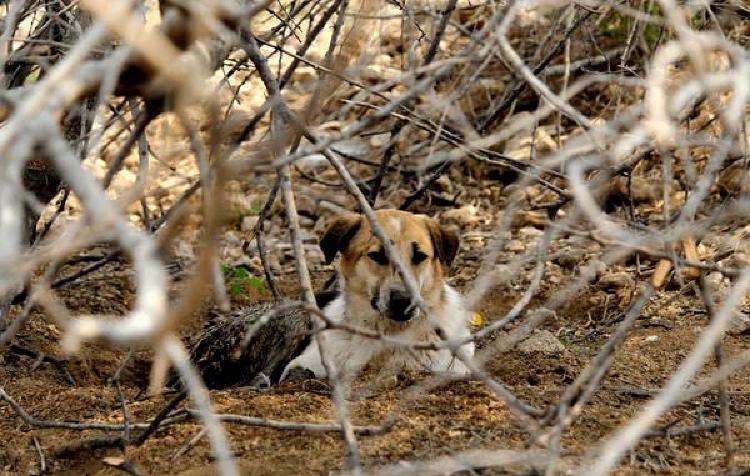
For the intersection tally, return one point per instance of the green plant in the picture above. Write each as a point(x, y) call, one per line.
point(652, 33)
point(240, 279)
point(33, 77)
point(256, 205)
point(617, 26)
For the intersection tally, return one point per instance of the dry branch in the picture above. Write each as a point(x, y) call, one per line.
point(90, 80)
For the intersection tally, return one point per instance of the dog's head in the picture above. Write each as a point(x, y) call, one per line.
point(371, 280)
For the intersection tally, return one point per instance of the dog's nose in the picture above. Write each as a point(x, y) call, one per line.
point(399, 305)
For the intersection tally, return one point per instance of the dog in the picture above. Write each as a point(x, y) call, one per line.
point(371, 295)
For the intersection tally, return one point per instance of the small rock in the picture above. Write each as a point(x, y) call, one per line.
point(739, 324)
point(444, 184)
point(249, 222)
point(378, 72)
point(616, 280)
point(529, 232)
point(464, 216)
point(515, 245)
point(541, 341)
point(532, 217)
point(306, 205)
point(328, 208)
point(569, 259)
point(352, 147)
point(313, 162)
point(306, 222)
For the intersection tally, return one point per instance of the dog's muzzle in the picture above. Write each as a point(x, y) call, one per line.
point(399, 307)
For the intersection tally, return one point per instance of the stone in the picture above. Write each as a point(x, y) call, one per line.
point(444, 184)
point(541, 341)
point(248, 223)
point(617, 280)
point(306, 205)
point(739, 324)
point(515, 246)
point(464, 216)
point(569, 259)
point(313, 162)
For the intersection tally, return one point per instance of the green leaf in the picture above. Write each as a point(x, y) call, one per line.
point(256, 206)
point(257, 283)
point(242, 272)
point(239, 278)
point(235, 288)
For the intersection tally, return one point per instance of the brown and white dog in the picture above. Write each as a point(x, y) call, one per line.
point(372, 295)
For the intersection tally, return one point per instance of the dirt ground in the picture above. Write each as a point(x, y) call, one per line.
point(449, 418)
point(453, 417)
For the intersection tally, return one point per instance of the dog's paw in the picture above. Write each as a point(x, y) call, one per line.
point(296, 374)
point(457, 369)
point(260, 381)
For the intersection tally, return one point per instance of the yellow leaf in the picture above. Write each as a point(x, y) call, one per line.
point(476, 320)
point(113, 460)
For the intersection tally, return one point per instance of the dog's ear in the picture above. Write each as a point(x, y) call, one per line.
point(338, 235)
point(444, 240)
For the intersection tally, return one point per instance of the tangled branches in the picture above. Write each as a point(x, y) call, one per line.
point(617, 127)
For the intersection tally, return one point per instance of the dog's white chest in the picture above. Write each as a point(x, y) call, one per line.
point(350, 352)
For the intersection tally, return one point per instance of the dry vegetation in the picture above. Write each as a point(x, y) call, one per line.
point(166, 162)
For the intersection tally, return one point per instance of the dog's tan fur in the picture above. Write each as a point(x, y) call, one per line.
point(362, 274)
point(365, 279)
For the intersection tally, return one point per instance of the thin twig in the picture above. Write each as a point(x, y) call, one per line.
point(42, 459)
point(261, 243)
point(724, 408)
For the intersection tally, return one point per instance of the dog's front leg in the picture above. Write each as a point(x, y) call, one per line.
point(445, 360)
point(337, 346)
point(309, 359)
point(456, 365)
point(349, 354)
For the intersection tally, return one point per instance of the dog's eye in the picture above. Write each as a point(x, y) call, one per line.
point(418, 256)
point(378, 257)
